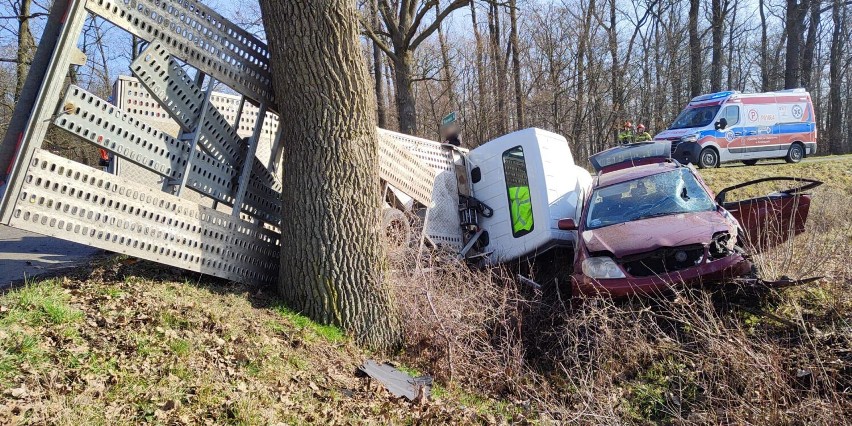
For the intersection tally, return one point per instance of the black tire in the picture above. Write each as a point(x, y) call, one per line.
point(749, 162)
point(795, 154)
point(397, 232)
point(708, 158)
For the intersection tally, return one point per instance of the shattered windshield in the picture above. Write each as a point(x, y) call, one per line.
point(695, 117)
point(662, 194)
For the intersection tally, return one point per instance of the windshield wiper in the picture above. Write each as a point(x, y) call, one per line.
point(658, 214)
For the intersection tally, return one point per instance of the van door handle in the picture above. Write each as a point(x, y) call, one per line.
point(751, 132)
point(738, 133)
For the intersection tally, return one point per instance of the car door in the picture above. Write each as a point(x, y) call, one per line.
point(771, 219)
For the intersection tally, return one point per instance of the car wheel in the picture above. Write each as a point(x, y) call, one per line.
point(795, 154)
point(749, 162)
point(708, 158)
point(397, 235)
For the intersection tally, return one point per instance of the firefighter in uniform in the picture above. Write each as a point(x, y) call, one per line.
point(641, 134)
point(626, 135)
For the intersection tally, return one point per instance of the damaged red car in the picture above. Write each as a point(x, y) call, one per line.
point(650, 222)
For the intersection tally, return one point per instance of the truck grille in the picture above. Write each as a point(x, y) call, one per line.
point(662, 261)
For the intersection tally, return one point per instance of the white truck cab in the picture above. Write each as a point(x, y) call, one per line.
point(529, 179)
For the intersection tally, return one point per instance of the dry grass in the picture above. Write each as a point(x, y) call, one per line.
point(127, 343)
point(696, 356)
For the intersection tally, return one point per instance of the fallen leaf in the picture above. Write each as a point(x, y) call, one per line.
point(19, 392)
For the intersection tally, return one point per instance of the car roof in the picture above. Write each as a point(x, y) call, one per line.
point(631, 173)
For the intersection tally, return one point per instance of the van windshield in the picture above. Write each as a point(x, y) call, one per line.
point(695, 117)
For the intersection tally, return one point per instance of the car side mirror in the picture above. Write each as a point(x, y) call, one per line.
point(567, 224)
point(721, 124)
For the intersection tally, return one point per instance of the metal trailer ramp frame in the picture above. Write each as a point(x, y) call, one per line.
point(225, 222)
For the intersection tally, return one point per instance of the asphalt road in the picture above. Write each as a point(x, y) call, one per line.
point(25, 254)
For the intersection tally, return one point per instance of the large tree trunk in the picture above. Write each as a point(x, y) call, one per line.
point(717, 30)
point(694, 50)
point(26, 47)
point(499, 68)
point(810, 45)
point(330, 251)
point(580, 105)
point(446, 66)
point(764, 50)
point(730, 64)
point(378, 71)
point(405, 107)
point(615, 74)
point(516, 66)
point(482, 116)
point(835, 101)
point(793, 60)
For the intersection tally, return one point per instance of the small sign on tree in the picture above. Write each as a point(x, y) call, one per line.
point(450, 129)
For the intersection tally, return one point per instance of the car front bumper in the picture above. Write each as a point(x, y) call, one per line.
point(729, 267)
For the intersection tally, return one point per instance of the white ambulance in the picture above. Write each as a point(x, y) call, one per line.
point(733, 126)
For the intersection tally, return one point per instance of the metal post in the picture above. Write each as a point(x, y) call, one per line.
point(33, 112)
point(196, 135)
point(275, 151)
point(248, 162)
point(239, 113)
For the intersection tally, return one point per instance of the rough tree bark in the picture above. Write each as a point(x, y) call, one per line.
point(615, 74)
point(446, 66)
point(719, 13)
point(378, 71)
point(516, 66)
point(26, 46)
point(694, 50)
point(483, 118)
point(331, 254)
point(835, 101)
point(499, 67)
point(764, 49)
point(810, 44)
point(795, 16)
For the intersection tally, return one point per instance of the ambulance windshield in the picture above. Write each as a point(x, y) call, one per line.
point(695, 117)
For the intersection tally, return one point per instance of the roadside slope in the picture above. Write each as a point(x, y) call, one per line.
point(125, 342)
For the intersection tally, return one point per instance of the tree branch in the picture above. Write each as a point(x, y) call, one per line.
point(390, 21)
point(375, 38)
point(456, 4)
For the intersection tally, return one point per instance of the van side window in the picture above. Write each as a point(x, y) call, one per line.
point(518, 189)
point(732, 114)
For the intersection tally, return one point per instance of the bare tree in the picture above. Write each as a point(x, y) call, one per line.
point(330, 256)
point(401, 25)
point(26, 44)
point(516, 65)
point(719, 11)
point(694, 50)
point(835, 103)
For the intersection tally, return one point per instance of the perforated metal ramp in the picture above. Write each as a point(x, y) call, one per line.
point(199, 188)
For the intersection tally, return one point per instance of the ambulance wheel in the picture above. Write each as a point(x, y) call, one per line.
point(796, 153)
point(397, 232)
point(749, 162)
point(708, 158)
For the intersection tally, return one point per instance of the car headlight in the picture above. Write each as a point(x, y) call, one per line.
point(690, 138)
point(601, 267)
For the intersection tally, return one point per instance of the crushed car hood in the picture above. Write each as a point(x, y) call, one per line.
point(625, 239)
